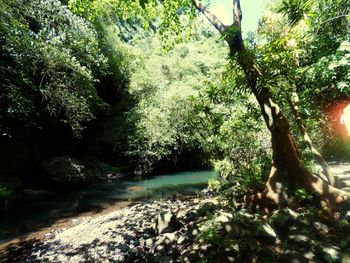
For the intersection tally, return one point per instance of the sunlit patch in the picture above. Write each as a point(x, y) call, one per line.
point(135, 188)
point(345, 118)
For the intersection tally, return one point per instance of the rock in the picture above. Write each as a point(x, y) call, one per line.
point(321, 227)
point(137, 251)
point(124, 248)
point(208, 206)
point(199, 211)
point(182, 213)
point(194, 232)
point(282, 218)
point(166, 223)
point(264, 231)
point(245, 224)
point(208, 192)
point(244, 215)
point(298, 239)
point(169, 238)
point(183, 240)
point(310, 256)
point(64, 169)
point(331, 254)
point(194, 254)
point(160, 248)
point(148, 242)
point(192, 216)
point(347, 214)
point(223, 217)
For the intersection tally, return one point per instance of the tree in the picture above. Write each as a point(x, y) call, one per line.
point(49, 62)
point(287, 169)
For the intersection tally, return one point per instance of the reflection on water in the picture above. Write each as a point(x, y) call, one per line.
point(135, 188)
point(32, 216)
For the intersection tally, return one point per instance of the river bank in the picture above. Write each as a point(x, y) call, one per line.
point(117, 234)
point(196, 228)
point(203, 228)
point(33, 215)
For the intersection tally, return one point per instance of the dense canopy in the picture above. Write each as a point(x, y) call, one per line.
point(95, 90)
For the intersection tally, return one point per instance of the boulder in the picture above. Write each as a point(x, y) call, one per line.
point(198, 211)
point(169, 238)
point(322, 228)
point(223, 217)
point(208, 205)
point(299, 239)
point(263, 231)
point(282, 218)
point(331, 254)
point(64, 169)
point(183, 240)
point(166, 222)
point(245, 224)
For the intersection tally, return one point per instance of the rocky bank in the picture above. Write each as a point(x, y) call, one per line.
point(202, 229)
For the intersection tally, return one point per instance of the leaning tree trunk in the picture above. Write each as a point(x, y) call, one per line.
point(293, 102)
point(287, 168)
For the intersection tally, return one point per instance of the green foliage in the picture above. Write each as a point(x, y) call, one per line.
point(244, 144)
point(214, 184)
point(69, 171)
point(164, 86)
point(9, 189)
point(303, 196)
point(165, 14)
point(295, 9)
point(64, 170)
point(209, 233)
point(5, 192)
point(330, 76)
point(307, 52)
point(248, 167)
point(57, 57)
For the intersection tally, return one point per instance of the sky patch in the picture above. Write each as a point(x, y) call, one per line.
point(252, 11)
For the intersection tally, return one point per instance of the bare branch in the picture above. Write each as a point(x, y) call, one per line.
point(237, 13)
point(213, 19)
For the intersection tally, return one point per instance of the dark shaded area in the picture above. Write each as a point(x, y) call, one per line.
point(186, 160)
point(18, 251)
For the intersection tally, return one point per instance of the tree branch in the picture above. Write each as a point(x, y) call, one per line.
point(213, 19)
point(294, 105)
point(237, 13)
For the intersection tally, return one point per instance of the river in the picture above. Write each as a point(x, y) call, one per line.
point(42, 214)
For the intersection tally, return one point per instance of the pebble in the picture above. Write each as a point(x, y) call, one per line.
point(126, 235)
point(116, 236)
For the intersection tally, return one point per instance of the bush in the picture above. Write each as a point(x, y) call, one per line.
point(64, 170)
point(49, 62)
point(9, 189)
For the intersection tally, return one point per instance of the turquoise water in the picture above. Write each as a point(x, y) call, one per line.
point(36, 214)
point(161, 185)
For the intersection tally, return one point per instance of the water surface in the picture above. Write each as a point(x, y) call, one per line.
point(33, 215)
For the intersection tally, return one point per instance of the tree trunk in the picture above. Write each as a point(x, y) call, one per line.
point(293, 102)
point(287, 169)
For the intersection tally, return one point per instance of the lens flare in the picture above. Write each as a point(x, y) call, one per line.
point(345, 118)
